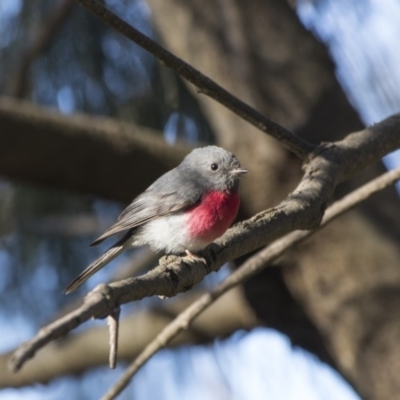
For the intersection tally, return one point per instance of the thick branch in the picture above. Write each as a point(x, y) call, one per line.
point(90, 154)
point(303, 209)
point(251, 267)
point(204, 84)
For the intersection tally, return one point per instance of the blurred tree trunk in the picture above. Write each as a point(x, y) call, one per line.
point(346, 280)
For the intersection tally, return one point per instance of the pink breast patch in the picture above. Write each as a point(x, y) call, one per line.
point(215, 213)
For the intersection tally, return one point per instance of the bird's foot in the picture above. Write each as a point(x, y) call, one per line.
point(195, 257)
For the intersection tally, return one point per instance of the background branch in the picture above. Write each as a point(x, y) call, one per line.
point(33, 138)
point(88, 349)
point(204, 84)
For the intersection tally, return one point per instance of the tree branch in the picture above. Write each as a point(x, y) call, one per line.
point(303, 209)
point(205, 85)
point(113, 331)
point(82, 351)
point(107, 153)
point(254, 265)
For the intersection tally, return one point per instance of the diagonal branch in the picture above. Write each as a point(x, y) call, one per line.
point(204, 84)
point(303, 209)
point(254, 265)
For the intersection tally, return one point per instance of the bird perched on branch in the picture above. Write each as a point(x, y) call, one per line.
point(184, 210)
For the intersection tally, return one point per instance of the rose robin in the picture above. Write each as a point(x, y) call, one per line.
point(184, 210)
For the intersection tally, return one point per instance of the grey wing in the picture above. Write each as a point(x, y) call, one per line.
point(144, 208)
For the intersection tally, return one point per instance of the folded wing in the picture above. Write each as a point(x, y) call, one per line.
point(146, 207)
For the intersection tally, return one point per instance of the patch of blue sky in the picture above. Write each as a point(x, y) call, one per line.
point(264, 365)
point(362, 42)
point(136, 12)
point(179, 126)
point(66, 100)
point(9, 11)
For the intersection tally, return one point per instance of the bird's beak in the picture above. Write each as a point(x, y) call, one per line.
point(239, 171)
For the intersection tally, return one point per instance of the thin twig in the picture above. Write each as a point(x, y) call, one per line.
point(205, 85)
point(113, 326)
point(251, 267)
point(93, 305)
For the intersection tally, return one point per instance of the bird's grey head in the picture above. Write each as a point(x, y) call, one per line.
point(213, 168)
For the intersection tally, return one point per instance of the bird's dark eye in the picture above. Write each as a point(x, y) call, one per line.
point(214, 167)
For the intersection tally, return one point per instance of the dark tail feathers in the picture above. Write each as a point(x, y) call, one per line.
point(96, 265)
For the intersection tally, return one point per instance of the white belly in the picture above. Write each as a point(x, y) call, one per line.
point(169, 234)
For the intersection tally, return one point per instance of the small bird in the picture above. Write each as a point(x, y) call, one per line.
point(184, 210)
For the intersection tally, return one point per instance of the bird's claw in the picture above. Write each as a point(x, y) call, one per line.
point(195, 257)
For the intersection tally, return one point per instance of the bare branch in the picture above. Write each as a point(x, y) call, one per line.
point(303, 209)
point(204, 84)
point(251, 267)
point(116, 148)
point(87, 349)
